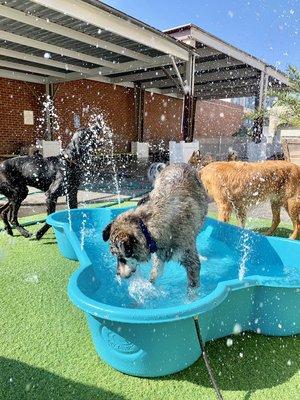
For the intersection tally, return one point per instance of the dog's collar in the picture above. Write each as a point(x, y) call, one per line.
point(151, 243)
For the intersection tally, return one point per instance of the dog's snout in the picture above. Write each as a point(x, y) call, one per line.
point(124, 270)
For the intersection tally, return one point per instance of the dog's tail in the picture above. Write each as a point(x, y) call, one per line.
point(154, 170)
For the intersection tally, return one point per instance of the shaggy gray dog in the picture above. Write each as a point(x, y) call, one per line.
point(163, 227)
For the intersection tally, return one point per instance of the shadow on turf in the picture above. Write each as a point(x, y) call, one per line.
point(281, 232)
point(20, 381)
point(265, 362)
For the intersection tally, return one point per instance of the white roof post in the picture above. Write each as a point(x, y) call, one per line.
point(263, 88)
point(188, 114)
point(190, 75)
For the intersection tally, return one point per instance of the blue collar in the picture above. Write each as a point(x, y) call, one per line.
point(151, 243)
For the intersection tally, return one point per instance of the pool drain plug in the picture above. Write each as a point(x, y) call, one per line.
point(206, 361)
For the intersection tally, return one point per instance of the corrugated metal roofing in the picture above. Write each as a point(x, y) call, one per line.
point(149, 75)
point(42, 12)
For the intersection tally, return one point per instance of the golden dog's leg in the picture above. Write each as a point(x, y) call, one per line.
point(241, 216)
point(224, 212)
point(293, 211)
point(276, 217)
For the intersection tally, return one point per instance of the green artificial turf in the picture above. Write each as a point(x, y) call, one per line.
point(46, 350)
point(39, 218)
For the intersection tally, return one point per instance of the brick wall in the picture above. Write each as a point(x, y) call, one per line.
point(212, 118)
point(162, 114)
point(15, 97)
point(217, 118)
point(85, 97)
point(162, 118)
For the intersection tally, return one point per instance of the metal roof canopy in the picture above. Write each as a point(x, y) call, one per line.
point(61, 40)
point(48, 41)
point(228, 72)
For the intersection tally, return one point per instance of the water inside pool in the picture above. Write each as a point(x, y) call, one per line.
point(219, 262)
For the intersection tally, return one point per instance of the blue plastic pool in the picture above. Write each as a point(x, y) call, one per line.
point(249, 282)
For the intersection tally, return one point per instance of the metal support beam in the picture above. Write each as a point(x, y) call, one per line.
point(101, 18)
point(260, 102)
point(20, 76)
point(43, 61)
point(178, 74)
point(179, 86)
point(37, 44)
point(126, 67)
point(41, 23)
point(217, 44)
point(158, 91)
point(216, 76)
point(29, 68)
point(232, 84)
point(189, 103)
point(212, 87)
point(263, 88)
point(139, 106)
point(49, 116)
point(228, 93)
point(199, 66)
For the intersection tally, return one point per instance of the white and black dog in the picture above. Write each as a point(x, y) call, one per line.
point(56, 176)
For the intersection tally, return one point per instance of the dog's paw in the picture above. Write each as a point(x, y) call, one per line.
point(192, 293)
point(9, 231)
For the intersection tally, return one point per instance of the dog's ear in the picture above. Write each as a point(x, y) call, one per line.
point(106, 232)
point(128, 245)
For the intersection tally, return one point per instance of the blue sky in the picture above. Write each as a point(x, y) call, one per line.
point(268, 29)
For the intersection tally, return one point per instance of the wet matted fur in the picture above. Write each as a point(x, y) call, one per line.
point(237, 186)
point(56, 176)
point(173, 215)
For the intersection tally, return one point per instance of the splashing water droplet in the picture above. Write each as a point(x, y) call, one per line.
point(237, 329)
point(245, 254)
point(141, 290)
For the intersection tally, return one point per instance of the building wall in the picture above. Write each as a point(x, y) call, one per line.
point(213, 118)
point(15, 97)
point(82, 98)
point(162, 120)
point(217, 118)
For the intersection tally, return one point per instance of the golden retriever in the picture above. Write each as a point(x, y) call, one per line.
point(237, 186)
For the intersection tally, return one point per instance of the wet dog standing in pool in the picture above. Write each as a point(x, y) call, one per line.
point(163, 227)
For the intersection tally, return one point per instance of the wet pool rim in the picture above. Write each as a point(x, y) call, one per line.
point(156, 315)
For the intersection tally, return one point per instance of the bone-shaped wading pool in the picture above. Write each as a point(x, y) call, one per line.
point(249, 282)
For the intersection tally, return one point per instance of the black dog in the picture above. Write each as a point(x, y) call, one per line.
point(57, 176)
